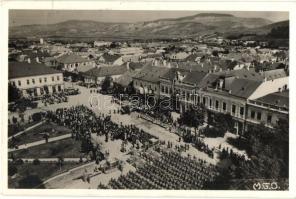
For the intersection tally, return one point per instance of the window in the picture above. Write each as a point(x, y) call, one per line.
point(58, 78)
point(52, 78)
point(40, 80)
point(252, 114)
point(19, 83)
point(217, 104)
point(187, 96)
point(269, 117)
point(224, 106)
point(13, 83)
point(210, 103)
point(204, 100)
point(166, 90)
point(258, 115)
point(198, 99)
point(28, 81)
point(45, 79)
point(162, 89)
point(233, 110)
point(33, 81)
point(241, 111)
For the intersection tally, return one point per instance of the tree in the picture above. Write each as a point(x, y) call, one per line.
point(60, 162)
point(12, 169)
point(107, 83)
point(13, 93)
point(36, 161)
point(223, 122)
point(215, 53)
point(194, 117)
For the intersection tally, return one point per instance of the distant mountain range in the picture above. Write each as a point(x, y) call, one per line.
point(191, 26)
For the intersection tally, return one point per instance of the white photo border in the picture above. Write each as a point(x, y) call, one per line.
point(288, 6)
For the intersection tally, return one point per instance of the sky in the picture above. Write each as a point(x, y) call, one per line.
point(27, 17)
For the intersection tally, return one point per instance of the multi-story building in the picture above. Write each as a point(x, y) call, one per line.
point(234, 92)
point(34, 79)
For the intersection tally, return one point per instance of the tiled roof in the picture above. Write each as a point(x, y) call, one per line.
point(243, 87)
point(280, 99)
point(71, 58)
point(24, 69)
point(208, 80)
point(194, 77)
point(106, 71)
point(110, 58)
point(243, 74)
point(171, 73)
point(82, 68)
point(151, 73)
point(274, 74)
point(33, 55)
point(125, 79)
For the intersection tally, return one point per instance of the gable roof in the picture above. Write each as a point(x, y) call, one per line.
point(274, 74)
point(24, 69)
point(243, 87)
point(125, 79)
point(110, 58)
point(71, 58)
point(151, 73)
point(106, 71)
point(280, 99)
point(194, 77)
point(243, 74)
point(171, 73)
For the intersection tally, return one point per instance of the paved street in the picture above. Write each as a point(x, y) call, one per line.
point(32, 144)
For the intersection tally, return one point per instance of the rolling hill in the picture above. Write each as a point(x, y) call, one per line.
point(200, 24)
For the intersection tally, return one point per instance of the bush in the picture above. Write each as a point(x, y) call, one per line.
point(19, 162)
point(12, 170)
point(14, 120)
point(36, 117)
point(213, 132)
point(36, 162)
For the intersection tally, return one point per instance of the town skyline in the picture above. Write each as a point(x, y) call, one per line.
point(43, 17)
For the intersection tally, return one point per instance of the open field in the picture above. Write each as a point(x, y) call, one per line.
point(67, 148)
point(36, 134)
point(29, 175)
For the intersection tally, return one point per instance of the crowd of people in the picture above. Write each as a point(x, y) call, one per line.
point(169, 171)
point(83, 122)
point(54, 98)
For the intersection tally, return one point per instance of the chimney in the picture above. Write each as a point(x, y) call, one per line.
point(37, 60)
point(221, 82)
point(127, 65)
point(29, 60)
point(229, 91)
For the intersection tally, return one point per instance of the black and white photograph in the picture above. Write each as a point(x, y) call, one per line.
point(148, 100)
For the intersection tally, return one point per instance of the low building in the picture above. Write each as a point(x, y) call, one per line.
point(147, 80)
point(35, 79)
point(97, 75)
point(111, 59)
point(73, 63)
